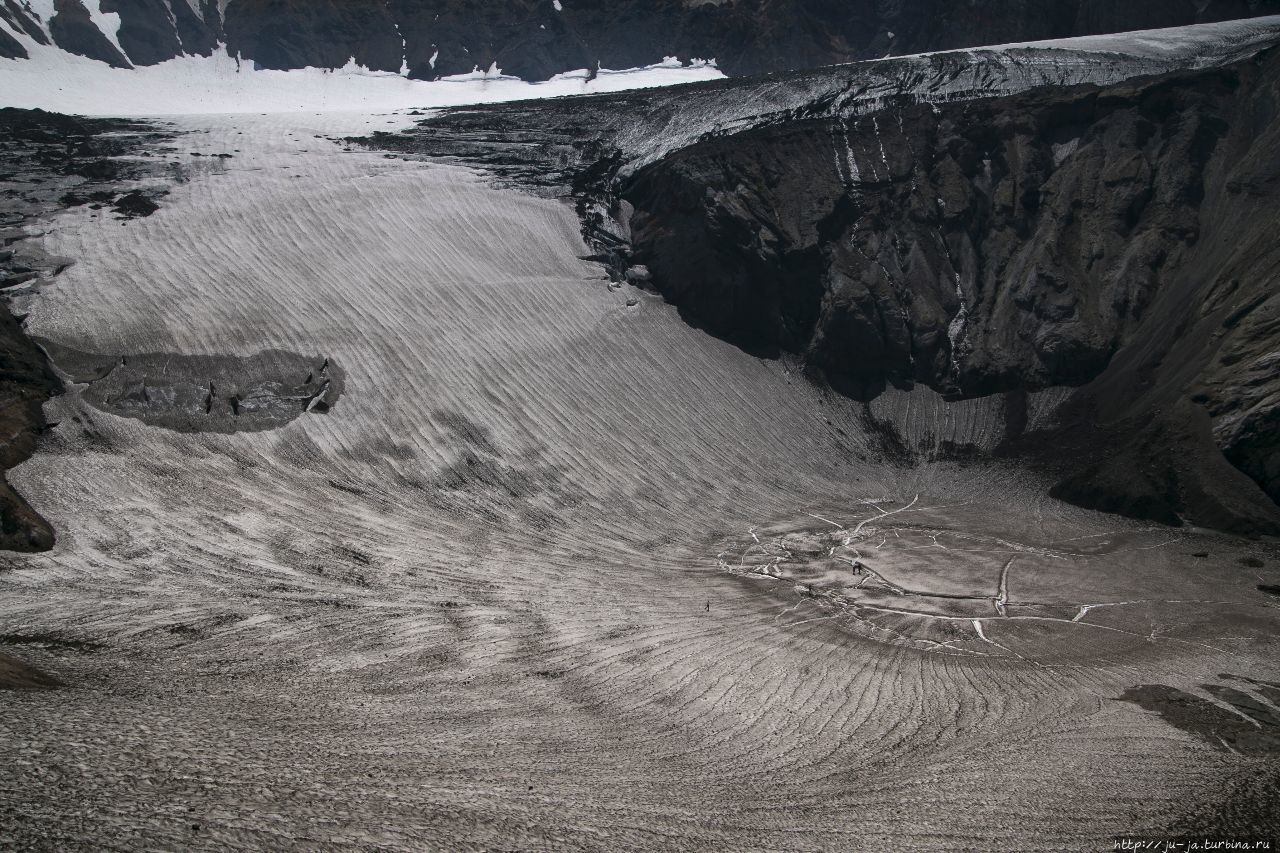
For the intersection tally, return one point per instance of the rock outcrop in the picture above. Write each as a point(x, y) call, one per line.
point(214, 393)
point(975, 248)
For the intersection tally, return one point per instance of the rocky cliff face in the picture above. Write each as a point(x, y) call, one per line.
point(950, 222)
point(536, 39)
point(1119, 239)
point(973, 248)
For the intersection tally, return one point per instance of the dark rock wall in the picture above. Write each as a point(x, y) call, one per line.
point(534, 40)
point(11, 48)
point(978, 248)
point(1121, 240)
point(199, 32)
point(146, 33)
point(74, 31)
point(531, 39)
point(285, 34)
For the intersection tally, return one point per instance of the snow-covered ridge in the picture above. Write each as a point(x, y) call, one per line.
point(54, 80)
point(864, 87)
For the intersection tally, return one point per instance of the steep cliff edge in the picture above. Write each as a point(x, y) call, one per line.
point(1117, 239)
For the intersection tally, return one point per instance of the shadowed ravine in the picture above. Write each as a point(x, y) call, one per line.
point(521, 587)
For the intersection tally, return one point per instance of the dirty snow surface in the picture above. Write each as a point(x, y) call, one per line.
point(556, 571)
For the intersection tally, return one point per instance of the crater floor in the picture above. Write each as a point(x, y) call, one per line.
point(559, 571)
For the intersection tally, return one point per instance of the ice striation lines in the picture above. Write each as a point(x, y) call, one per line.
point(472, 605)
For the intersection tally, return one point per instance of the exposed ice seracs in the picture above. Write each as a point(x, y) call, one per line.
point(193, 5)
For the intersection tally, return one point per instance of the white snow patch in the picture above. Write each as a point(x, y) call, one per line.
point(53, 79)
point(559, 6)
point(848, 165)
point(107, 22)
point(42, 11)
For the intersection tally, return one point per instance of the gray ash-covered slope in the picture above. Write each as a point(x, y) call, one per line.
point(118, 170)
point(49, 162)
point(893, 227)
point(535, 39)
point(1121, 239)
